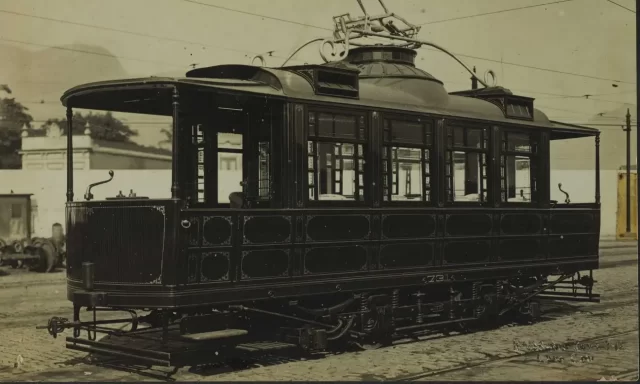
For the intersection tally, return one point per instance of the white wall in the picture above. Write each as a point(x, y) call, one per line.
point(580, 185)
point(49, 189)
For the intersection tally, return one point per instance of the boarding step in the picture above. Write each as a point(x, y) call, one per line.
point(216, 335)
point(264, 346)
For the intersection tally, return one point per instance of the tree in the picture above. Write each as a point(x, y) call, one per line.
point(102, 126)
point(168, 133)
point(13, 116)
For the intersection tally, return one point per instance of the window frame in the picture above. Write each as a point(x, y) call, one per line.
point(361, 139)
point(534, 156)
point(389, 146)
point(214, 157)
point(449, 148)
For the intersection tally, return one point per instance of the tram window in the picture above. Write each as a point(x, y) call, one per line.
point(336, 167)
point(338, 126)
point(404, 131)
point(518, 167)
point(466, 171)
point(229, 165)
point(405, 161)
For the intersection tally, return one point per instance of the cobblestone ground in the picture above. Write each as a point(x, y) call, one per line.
point(27, 354)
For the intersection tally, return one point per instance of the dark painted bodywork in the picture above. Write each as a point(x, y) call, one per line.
point(228, 255)
point(172, 254)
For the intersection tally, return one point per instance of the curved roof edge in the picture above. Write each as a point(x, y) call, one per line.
point(280, 82)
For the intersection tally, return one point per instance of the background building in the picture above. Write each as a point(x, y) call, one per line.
point(49, 153)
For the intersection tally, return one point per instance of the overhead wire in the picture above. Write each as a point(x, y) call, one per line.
point(622, 6)
point(259, 15)
point(457, 54)
point(124, 31)
point(611, 101)
point(110, 29)
point(286, 21)
point(494, 12)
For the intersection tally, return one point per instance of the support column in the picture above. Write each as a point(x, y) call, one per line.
point(628, 130)
point(69, 154)
point(175, 176)
point(598, 168)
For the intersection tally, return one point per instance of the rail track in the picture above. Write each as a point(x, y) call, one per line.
point(499, 359)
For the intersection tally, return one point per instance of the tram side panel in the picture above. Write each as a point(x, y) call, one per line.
point(232, 255)
point(262, 254)
point(120, 246)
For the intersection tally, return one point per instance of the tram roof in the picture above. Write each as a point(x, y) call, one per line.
point(153, 95)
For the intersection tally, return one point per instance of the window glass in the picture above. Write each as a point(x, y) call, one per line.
point(345, 127)
point(467, 181)
point(332, 172)
point(474, 138)
point(229, 165)
point(337, 126)
point(466, 168)
point(518, 142)
point(405, 131)
point(336, 168)
point(405, 167)
point(325, 125)
point(229, 141)
point(519, 178)
point(517, 167)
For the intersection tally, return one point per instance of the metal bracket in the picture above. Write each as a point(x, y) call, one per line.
point(88, 195)
point(347, 29)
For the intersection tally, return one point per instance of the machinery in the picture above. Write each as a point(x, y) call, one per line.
point(17, 248)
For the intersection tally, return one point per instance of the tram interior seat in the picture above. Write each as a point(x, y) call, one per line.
point(236, 199)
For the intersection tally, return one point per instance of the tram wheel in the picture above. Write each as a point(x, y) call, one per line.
point(47, 257)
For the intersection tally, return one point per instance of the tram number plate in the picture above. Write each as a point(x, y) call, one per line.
point(435, 278)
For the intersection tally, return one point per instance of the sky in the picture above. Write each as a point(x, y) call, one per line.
point(594, 39)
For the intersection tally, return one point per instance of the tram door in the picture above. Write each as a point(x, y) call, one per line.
point(245, 155)
point(216, 158)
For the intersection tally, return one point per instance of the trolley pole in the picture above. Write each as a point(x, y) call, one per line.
point(628, 130)
point(474, 81)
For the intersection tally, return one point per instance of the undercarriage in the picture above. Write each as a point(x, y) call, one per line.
point(363, 320)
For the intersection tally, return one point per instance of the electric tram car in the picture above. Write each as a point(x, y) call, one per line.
point(373, 204)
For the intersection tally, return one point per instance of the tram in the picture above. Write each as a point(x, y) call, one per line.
point(373, 204)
